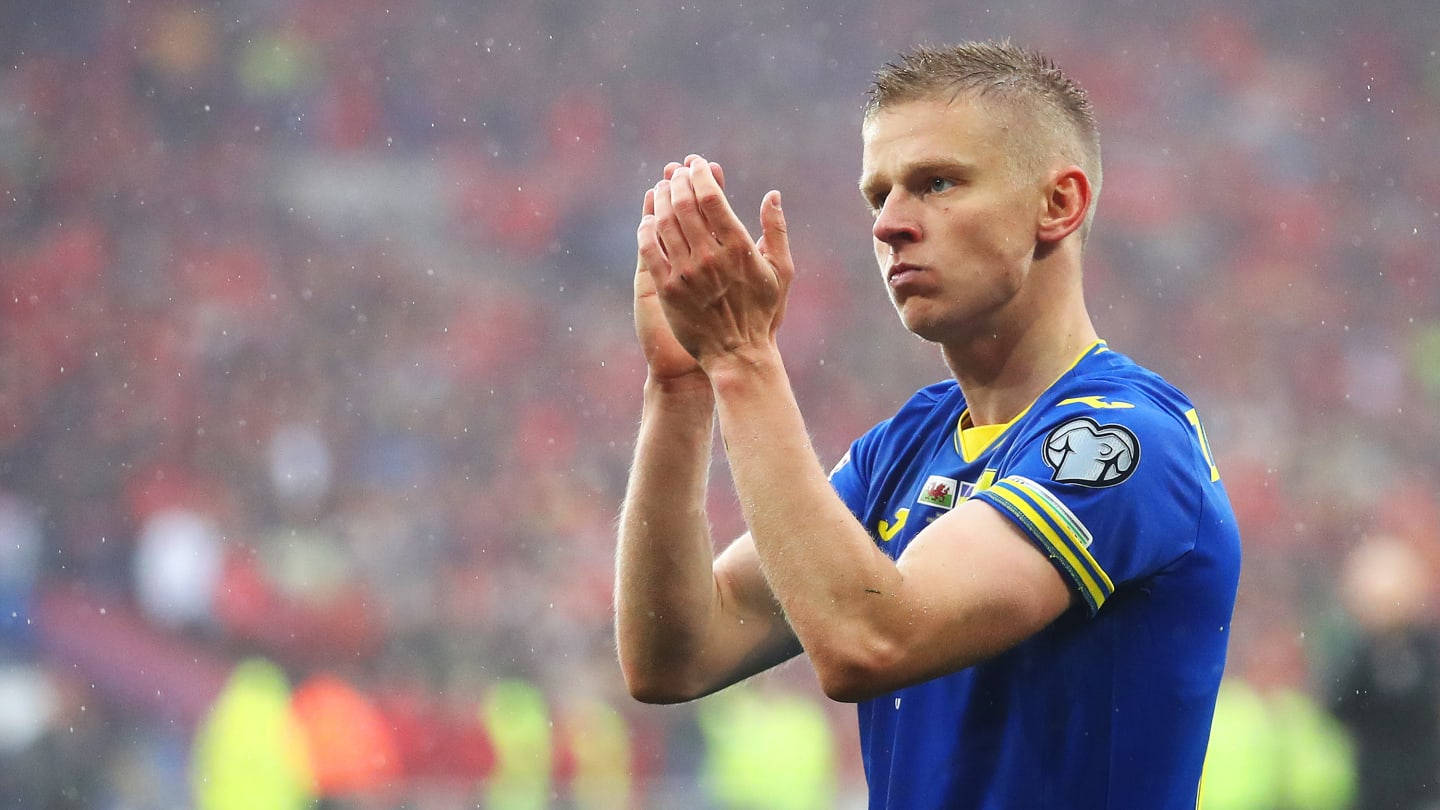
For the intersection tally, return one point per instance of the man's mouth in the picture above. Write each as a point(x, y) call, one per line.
point(901, 272)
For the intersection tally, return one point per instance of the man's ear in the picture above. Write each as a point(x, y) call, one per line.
point(1067, 200)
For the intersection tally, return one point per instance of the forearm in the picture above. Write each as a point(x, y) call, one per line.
point(833, 583)
point(664, 585)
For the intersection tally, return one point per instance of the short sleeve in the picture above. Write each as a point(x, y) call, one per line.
point(1111, 495)
point(850, 475)
point(872, 462)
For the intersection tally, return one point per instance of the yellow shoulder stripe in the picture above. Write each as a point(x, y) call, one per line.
point(1094, 402)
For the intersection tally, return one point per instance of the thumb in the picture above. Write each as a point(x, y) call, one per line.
point(774, 242)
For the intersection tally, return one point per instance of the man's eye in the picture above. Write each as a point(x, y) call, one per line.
point(940, 184)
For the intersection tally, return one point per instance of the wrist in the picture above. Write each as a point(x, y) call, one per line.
point(743, 367)
point(692, 387)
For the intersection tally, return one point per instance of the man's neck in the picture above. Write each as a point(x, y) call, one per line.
point(1005, 369)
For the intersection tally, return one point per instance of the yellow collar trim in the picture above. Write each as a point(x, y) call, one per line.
point(971, 441)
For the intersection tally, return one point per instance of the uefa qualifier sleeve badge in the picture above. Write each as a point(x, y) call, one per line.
point(1082, 451)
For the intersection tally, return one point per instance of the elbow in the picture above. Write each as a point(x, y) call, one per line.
point(657, 683)
point(847, 689)
point(656, 671)
point(852, 685)
point(657, 691)
point(657, 696)
point(857, 668)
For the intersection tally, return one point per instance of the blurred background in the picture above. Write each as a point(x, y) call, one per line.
point(318, 387)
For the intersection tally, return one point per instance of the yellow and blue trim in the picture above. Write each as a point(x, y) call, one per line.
point(971, 441)
point(1051, 524)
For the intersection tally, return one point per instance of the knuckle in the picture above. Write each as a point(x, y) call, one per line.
point(675, 286)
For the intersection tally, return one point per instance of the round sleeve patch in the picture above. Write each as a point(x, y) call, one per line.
point(1082, 451)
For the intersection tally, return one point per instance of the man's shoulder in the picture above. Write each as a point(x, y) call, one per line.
point(943, 397)
point(938, 400)
point(918, 420)
point(1112, 384)
point(1095, 426)
point(934, 393)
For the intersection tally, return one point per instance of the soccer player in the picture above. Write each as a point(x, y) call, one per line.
point(1025, 576)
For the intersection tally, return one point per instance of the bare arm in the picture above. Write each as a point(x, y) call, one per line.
point(687, 623)
point(968, 587)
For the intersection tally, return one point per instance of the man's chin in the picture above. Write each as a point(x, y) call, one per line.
point(945, 322)
point(925, 328)
point(930, 327)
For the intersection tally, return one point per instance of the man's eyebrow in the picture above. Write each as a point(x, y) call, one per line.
point(923, 167)
point(940, 164)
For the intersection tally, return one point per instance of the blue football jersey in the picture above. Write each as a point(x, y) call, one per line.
point(1109, 473)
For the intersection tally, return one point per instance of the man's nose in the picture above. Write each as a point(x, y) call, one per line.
point(896, 223)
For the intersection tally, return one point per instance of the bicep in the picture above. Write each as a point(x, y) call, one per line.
point(749, 633)
point(981, 586)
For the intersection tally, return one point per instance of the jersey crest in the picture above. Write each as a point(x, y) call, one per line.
point(1082, 451)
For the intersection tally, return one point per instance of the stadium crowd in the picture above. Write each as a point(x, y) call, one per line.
point(318, 385)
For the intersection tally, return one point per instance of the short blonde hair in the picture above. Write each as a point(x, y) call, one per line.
point(1023, 80)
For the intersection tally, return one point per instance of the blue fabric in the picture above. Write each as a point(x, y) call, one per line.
point(1110, 706)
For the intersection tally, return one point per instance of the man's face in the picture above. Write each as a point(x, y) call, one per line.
point(955, 222)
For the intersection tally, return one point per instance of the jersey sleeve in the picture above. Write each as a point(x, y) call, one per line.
point(850, 477)
point(1112, 495)
point(863, 470)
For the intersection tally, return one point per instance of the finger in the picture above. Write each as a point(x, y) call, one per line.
point(672, 239)
point(670, 168)
point(775, 237)
point(647, 212)
point(691, 159)
point(710, 197)
point(699, 235)
point(652, 256)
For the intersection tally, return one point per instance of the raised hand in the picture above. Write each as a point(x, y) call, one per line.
point(722, 294)
point(668, 361)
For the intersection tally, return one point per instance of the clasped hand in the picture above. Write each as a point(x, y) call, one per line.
point(721, 293)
